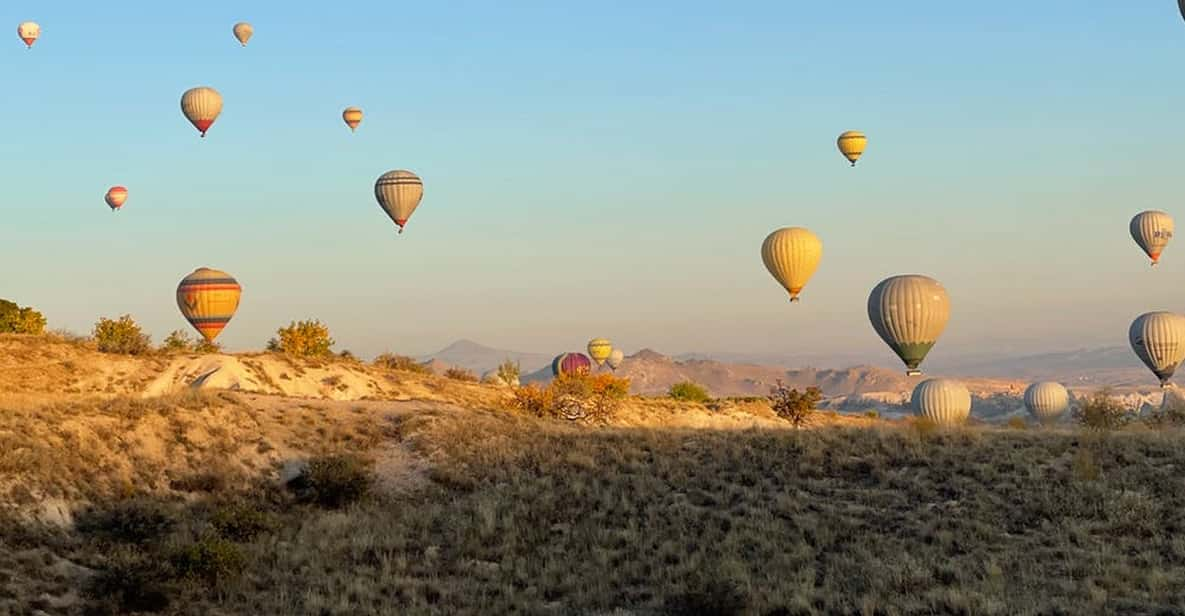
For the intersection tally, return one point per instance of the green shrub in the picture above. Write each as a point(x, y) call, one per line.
point(122, 336)
point(302, 339)
point(1102, 412)
point(210, 559)
point(457, 373)
point(129, 585)
point(509, 372)
point(688, 391)
point(872, 414)
point(391, 361)
point(132, 521)
point(241, 521)
point(20, 320)
point(205, 347)
point(333, 481)
point(178, 341)
point(792, 405)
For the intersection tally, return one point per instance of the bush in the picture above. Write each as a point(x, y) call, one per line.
point(792, 405)
point(136, 522)
point(17, 320)
point(122, 336)
point(302, 339)
point(688, 391)
point(1017, 423)
point(333, 481)
point(206, 347)
point(129, 585)
point(177, 341)
point(509, 372)
point(457, 373)
point(872, 414)
point(1171, 411)
point(391, 361)
point(573, 397)
point(210, 559)
point(347, 355)
point(711, 596)
point(534, 400)
point(241, 521)
point(1102, 412)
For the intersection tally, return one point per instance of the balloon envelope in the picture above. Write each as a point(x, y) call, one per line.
point(792, 255)
point(1158, 339)
point(201, 107)
point(116, 196)
point(909, 313)
point(208, 298)
point(599, 350)
point(398, 193)
point(571, 363)
point(1047, 401)
point(944, 401)
point(243, 32)
point(352, 116)
point(851, 144)
point(616, 358)
point(1152, 230)
point(28, 31)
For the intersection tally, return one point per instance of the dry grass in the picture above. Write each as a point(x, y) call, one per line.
point(536, 516)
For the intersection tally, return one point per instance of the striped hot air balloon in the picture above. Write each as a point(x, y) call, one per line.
point(399, 193)
point(352, 116)
point(1158, 339)
point(909, 313)
point(570, 364)
point(851, 144)
point(792, 255)
point(201, 107)
point(1152, 230)
point(208, 298)
point(946, 402)
point(116, 196)
point(243, 32)
point(28, 31)
point(1047, 401)
point(599, 350)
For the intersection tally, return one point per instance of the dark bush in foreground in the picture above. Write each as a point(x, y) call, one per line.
point(130, 585)
point(333, 481)
point(688, 391)
point(210, 560)
point(241, 521)
point(709, 597)
point(121, 336)
point(131, 521)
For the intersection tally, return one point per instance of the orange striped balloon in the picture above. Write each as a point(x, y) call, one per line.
point(208, 298)
point(116, 197)
point(352, 116)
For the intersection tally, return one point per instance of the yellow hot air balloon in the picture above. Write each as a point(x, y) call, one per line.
point(792, 255)
point(201, 107)
point(851, 145)
point(208, 298)
point(243, 32)
point(599, 349)
point(1152, 230)
point(28, 31)
point(399, 193)
point(352, 116)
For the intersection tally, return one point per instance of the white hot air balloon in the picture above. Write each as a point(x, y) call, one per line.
point(28, 31)
point(616, 358)
point(1152, 231)
point(1158, 339)
point(946, 402)
point(1047, 401)
point(201, 107)
point(909, 313)
point(399, 193)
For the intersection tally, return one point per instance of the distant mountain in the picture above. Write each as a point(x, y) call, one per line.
point(1115, 366)
point(480, 358)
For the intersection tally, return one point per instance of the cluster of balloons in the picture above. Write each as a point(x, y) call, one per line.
point(600, 352)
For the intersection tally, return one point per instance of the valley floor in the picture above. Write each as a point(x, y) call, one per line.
point(479, 510)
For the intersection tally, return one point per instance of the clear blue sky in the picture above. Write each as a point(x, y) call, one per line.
point(598, 168)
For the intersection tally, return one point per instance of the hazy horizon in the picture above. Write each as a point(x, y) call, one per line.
point(607, 170)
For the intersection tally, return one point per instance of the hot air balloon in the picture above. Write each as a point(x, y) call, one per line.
point(1181, 7)
point(616, 358)
point(208, 298)
point(851, 145)
point(1152, 230)
point(243, 32)
point(946, 402)
point(201, 107)
point(909, 314)
point(399, 193)
point(1047, 401)
point(1158, 338)
point(352, 116)
point(28, 31)
point(792, 255)
point(116, 196)
point(599, 350)
point(571, 364)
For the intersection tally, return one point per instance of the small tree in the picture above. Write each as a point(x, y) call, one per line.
point(122, 335)
point(1102, 412)
point(302, 339)
point(509, 372)
point(688, 391)
point(177, 341)
point(792, 405)
point(17, 320)
point(392, 361)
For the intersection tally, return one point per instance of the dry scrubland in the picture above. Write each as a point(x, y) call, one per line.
point(433, 496)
